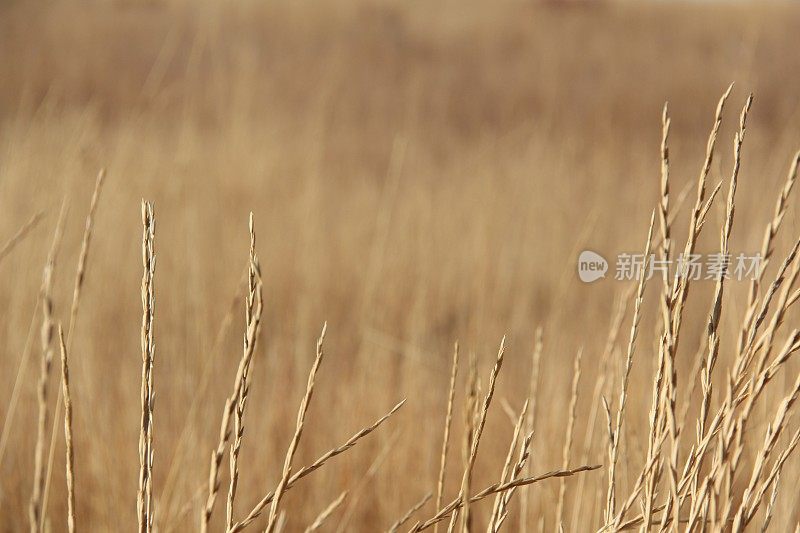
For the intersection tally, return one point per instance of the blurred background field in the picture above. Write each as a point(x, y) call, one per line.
point(419, 172)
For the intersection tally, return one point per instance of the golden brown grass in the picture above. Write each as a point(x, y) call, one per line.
point(419, 175)
point(35, 508)
point(144, 502)
point(70, 452)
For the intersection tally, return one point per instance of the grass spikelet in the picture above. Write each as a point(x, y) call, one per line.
point(254, 304)
point(80, 277)
point(145, 496)
point(476, 438)
point(69, 453)
point(298, 432)
point(565, 452)
point(448, 420)
point(36, 509)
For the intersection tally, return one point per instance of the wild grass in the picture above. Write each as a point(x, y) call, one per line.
point(670, 494)
point(404, 208)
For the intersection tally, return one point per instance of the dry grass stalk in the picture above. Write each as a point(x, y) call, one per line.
point(236, 446)
point(706, 484)
point(16, 390)
point(752, 496)
point(476, 439)
point(281, 523)
point(459, 502)
point(767, 246)
point(663, 205)
point(621, 306)
point(145, 495)
point(772, 479)
point(713, 324)
point(181, 449)
point(254, 304)
point(186, 508)
point(448, 420)
point(688, 485)
point(667, 340)
point(533, 394)
point(673, 506)
point(714, 504)
point(728, 425)
point(613, 447)
point(570, 430)
point(507, 470)
point(662, 416)
point(665, 223)
point(712, 498)
point(745, 357)
point(80, 275)
point(298, 432)
point(765, 342)
point(714, 317)
point(618, 521)
point(675, 304)
point(533, 390)
point(716, 311)
point(771, 505)
point(680, 287)
point(470, 418)
point(20, 235)
point(36, 514)
point(733, 425)
point(69, 453)
point(326, 513)
point(73, 315)
point(522, 461)
point(407, 516)
point(303, 472)
point(253, 307)
point(364, 481)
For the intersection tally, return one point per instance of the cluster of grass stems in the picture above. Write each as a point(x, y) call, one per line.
point(687, 480)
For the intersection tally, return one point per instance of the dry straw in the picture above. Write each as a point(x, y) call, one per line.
point(69, 453)
point(144, 504)
point(20, 235)
point(725, 479)
point(522, 462)
point(326, 513)
point(77, 289)
point(253, 308)
point(476, 439)
point(565, 453)
point(364, 481)
point(699, 491)
point(507, 465)
point(303, 472)
point(407, 516)
point(36, 514)
point(448, 421)
point(616, 432)
point(530, 423)
point(459, 502)
point(298, 432)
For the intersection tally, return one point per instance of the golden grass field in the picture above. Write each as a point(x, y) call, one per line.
point(419, 173)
